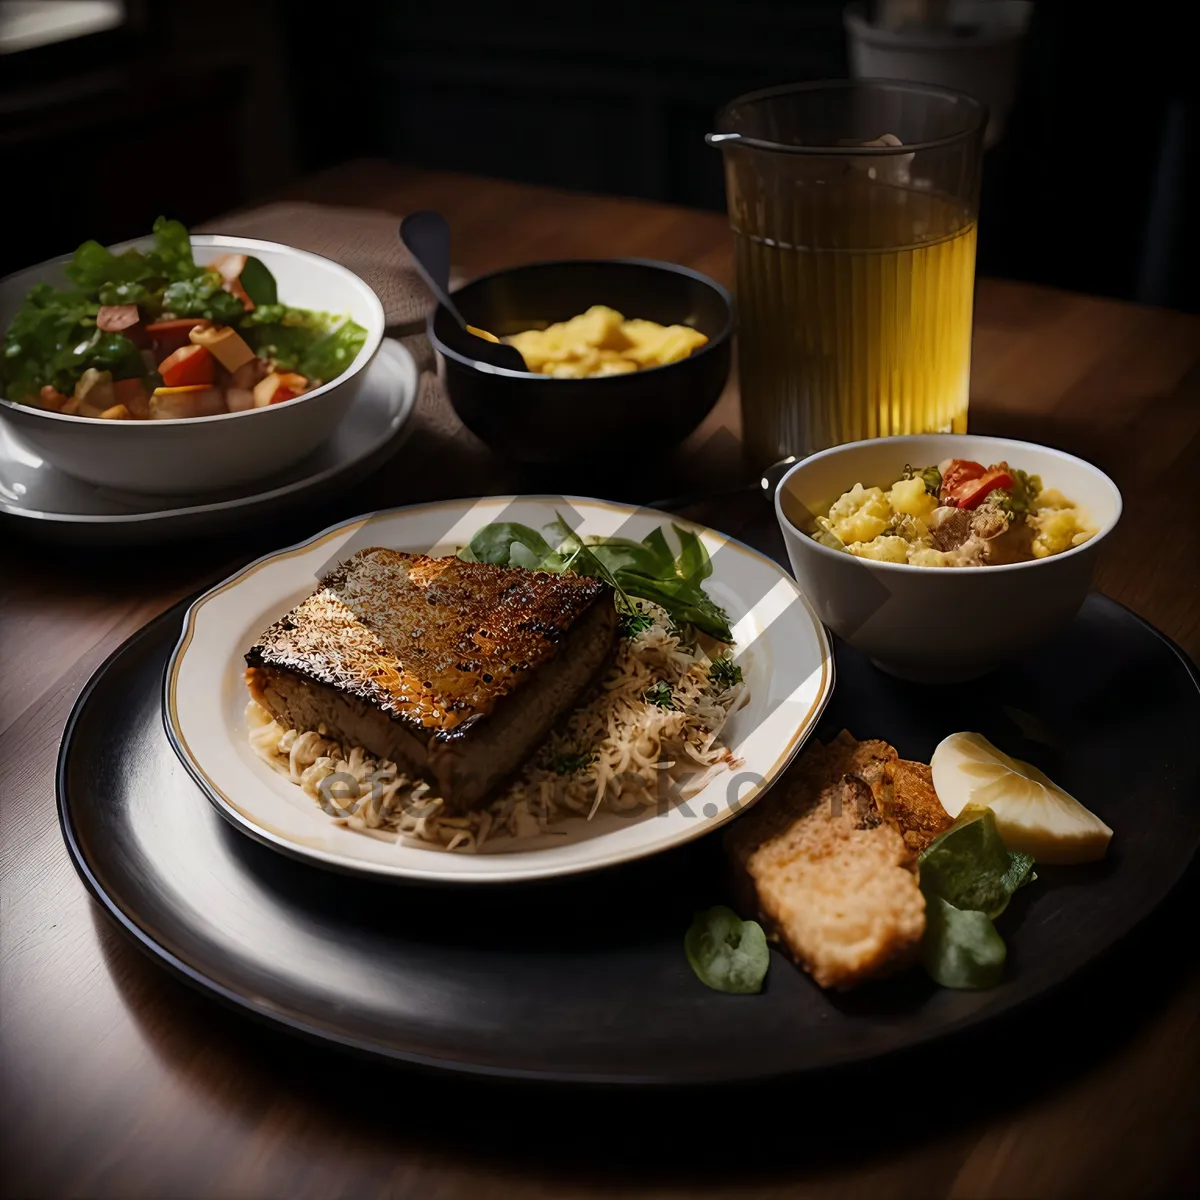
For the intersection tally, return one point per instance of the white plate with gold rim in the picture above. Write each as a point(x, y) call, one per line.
point(784, 651)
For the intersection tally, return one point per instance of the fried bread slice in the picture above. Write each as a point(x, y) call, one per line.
point(908, 799)
point(832, 880)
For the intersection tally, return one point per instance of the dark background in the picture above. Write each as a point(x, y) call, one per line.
point(194, 109)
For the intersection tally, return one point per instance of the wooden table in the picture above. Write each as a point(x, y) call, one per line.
point(117, 1081)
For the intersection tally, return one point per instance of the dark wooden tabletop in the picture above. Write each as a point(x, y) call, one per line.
point(118, 1081)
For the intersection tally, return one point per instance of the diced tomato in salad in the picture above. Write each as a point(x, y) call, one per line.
point(168, 336)
point(150, 333)
point(966, 483)
point(188, 365)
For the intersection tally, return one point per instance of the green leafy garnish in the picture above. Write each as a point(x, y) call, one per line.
point(104, 351)
point(282, 334)
point(298, 340)
point(511, 544)
point(47, 324)
point(970, 866)
point(660, 695)
point(631, 624)
point(968, 876)
point(961, 948)
point(148, 297)
point(173, 250)
point(1021, 499)
point(647, 569)
point(203, 295)
point(94, 265)
point(572, 762)
point(333, 352)
point(258, 283)
point(724, 673)
point(931, 477)
point(727, 953)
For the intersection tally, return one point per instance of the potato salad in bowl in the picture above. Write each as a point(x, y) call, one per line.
point(959, 513)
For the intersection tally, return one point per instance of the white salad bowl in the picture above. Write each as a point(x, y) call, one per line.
point(939, 624)
point(205, 454)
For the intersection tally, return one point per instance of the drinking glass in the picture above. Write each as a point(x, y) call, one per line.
point(853, 206)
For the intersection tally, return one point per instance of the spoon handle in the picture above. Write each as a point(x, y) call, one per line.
point(426, 235)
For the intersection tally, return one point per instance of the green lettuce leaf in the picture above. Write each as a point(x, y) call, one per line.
point(202, 296)
point(295, 339)
point(95, 265)
point(970, 866)
point(173, 251)
point(147, 295)
point(258, 283)
point(694, 563)
point(510, 544)
point(104, 351)
point(961, 948)
point(333, 353)
point(968, 876)
point(48, 324)
point(727, 953)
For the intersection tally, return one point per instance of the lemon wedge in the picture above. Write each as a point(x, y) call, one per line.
point(1032, 812)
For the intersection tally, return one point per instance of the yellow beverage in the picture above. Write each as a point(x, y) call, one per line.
point(858, 325)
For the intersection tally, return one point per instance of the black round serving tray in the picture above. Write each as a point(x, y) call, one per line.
point(586, 980)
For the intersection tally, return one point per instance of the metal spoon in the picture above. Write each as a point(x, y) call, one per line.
point(426, 235)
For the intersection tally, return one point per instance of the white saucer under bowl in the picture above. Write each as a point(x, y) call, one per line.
point(46, 504)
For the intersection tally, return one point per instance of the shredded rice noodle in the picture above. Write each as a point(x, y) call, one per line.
point(637, 750)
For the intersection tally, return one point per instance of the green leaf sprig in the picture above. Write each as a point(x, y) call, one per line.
point(648, 569)
point(968, 877)
point(724, 673)
point(727, 953)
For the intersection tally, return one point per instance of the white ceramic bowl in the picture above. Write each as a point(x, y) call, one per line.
point(205, 454)
point(934, 624)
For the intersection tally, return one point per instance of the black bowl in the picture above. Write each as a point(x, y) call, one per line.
point(539, 419)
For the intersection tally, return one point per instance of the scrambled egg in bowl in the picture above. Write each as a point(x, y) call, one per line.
point(602, 342)
point(956, 514)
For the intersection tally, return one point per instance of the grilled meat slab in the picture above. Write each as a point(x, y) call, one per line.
point(457, 671)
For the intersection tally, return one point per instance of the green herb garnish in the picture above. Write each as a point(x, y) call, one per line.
point(1021, 499)
point(724, 673)
point(631, 624)
point(727, 953)
point(258, 282)
point(659, 695)
point(968, 876)
point(572, 762)
point(647, 569)
point(203, 295)
point(931, 477)
point(961, 948)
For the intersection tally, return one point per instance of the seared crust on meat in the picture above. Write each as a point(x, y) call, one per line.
point(432, 642)
point(457, 671)
point(830, 877)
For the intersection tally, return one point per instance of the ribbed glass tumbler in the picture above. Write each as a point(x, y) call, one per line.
point(854, 207)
